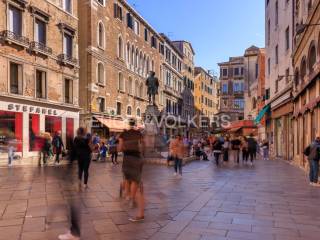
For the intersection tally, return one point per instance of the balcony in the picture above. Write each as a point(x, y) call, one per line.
point(64, 59)
point(12, 37)
point(40, 48)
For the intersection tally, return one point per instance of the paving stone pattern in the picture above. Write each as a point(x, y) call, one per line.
point(271, 201)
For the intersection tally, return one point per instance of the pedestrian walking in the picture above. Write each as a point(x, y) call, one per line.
point(103, 152)
point(313, 154)
point(178, 151)
point(265, 149)
point(235, 142)
point(131, 143)
point(11, 150)
point(113, 149)
point(58, 146)
point(244, 149)
point(82, 152)
point(226, 147)
point(217, 149)
point(252, 148)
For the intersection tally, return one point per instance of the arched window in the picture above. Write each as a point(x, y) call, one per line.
point(140, 62)
point(101, 35)
point(141, 90)
point(138, 112)
point(136, 86)
point(120, 48)
point(148, 65)
point(152, 65)
point(296, 77)
point(100, 73)
point(128, 53)
point(130, 86)
point(129, 110)
point(132, 55)
point(144, 65)
point(312, 58)
point(136, 64)
point(120, 82)
point(303, 69)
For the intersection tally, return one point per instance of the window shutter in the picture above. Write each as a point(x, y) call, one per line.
point(115, 9)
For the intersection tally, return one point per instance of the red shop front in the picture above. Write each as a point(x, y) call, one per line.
point(11, 128)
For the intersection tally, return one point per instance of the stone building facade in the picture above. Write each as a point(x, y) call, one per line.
point(118, 49)
point(306, 89)
point(173, 87)
point(39, 74)
point(205, 97)
point(279, 26)
point(254, 60)
point(188, 111)
point(232, 77)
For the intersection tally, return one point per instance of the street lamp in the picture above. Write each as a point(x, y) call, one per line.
point(302, 27)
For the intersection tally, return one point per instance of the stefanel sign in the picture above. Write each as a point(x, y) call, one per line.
point(31, 109)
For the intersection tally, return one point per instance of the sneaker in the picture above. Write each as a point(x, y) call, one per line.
point(136, 219)
point(86, 186)
point(175, 174)
point(68, 236)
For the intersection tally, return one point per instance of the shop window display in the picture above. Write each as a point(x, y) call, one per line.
point(11, 129)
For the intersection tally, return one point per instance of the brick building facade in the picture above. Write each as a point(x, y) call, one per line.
point(39, 74)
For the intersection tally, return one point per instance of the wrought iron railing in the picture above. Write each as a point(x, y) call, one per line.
point(9, 35)
point(64, 58)
point(36, 46)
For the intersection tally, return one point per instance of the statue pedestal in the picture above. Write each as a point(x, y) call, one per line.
point(151, 133)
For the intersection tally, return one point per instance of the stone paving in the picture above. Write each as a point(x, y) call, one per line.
point(271, 201)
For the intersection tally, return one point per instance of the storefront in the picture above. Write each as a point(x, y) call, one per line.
point(23, 122)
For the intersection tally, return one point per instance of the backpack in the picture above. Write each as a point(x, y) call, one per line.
point(306, 151)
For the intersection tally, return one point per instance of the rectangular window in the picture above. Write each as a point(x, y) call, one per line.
point(269, 66)
point(67, 44)
point(41, 84)
point(146, 35)
point(15, 20)
point(117, 11)
point(287, 38)
point(277, 54)
point(225, 88)
point(34, 130)
point(153, 42)
point(225, 72)
point(129, 21)
point(269, 32)
point(67, 6)
point(101, 104)
point(238, 104)
point(287, 75)
point(40, 31)
point(161, 48)
point(53, 124)
point(277, 13)
point(68, 91)
point(16, 79)
point(11, 128)
point(257, 70)
point(69, 132)
point(118, 108)
point(236, 72)
point(136, 27)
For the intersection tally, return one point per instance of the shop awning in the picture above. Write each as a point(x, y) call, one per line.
point(261, 114)
point(114, 125)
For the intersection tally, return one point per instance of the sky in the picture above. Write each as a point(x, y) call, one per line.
point(217, 29)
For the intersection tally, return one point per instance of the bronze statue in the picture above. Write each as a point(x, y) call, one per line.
point(152, 83)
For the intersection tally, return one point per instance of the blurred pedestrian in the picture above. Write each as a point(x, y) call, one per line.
point(103, 152)
point(11, 150)
point(217, 149)
point(177, 149)
point(226, 147)
point(58, 146)
point(131, 143)
point(82, 150)
point(235, 142)
point(265, 149)
point(245, 151)
point(313, 154)
point(252, 148)
point(113, 149)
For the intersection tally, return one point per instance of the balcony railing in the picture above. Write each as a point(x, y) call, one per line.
point(40, 47)
point(68, 60)
point(13, 37)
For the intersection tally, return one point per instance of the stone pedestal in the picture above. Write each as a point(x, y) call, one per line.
point(151, 133)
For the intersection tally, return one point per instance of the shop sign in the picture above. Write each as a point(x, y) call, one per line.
point(31, 109)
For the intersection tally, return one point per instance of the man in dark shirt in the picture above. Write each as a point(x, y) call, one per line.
point(131, 144)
